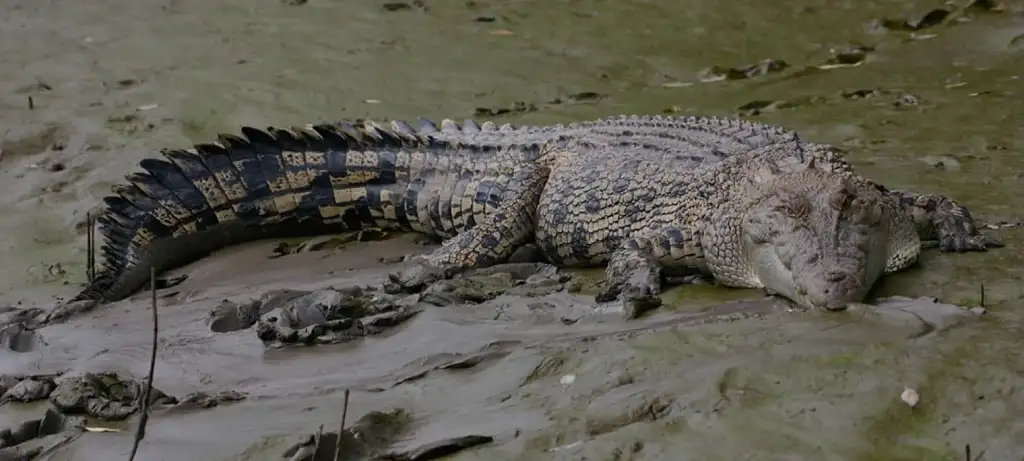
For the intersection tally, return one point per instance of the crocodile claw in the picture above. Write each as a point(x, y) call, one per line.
point(636, 298)
point(416, 277)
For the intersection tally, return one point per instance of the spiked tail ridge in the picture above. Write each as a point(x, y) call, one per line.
point(263, 184)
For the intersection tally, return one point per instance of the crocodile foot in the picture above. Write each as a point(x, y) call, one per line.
point(638, 295)
point(416, 277)
point(956, 231)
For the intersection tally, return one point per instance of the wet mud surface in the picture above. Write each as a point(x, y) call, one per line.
point(259, 343)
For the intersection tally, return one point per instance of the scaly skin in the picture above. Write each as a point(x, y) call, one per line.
point(644, 195)
point(704, 139)
point(308, 181)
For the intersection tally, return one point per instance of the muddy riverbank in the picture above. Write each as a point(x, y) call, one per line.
point(920, 100)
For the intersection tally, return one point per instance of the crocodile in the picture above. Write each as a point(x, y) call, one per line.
point(748, 204)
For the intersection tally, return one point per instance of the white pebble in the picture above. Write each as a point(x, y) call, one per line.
point(568, 379)
point(910, 396)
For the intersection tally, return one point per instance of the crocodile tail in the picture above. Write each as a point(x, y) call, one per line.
point(262, 184)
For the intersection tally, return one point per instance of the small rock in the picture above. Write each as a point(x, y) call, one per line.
point(978, 310)
point(910, 397)
point(29, 390)
point(907, 100)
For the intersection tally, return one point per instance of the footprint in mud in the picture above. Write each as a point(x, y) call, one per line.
point(33, 437)
point(32, 142)
point(16, 337)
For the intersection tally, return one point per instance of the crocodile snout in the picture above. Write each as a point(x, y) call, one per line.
point(834, 290)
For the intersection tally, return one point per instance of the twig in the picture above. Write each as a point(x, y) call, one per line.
point(31, 103)
point(140, 433)
point(316, 441)
point(967, 454)
point(341, 429)
point(982, 295)
point(90, 249)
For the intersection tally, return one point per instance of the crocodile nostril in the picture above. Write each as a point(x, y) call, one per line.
point(836, 276)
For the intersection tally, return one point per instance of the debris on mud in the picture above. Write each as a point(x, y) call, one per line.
point(371, 437)
point(437, 449)
point(404, 6)
point(930, 19)
point(940, 16)
point(583, 97)
point(719, 73)
point(24, 320)
point(328, 242)
point(761, 106)
point(32, 438)
point(485, 284)
point(201, 400)
point(330, 316)
point(371, 433)
point(420, 368)
point(26, 388)
point(105, 396)
point(516, 108)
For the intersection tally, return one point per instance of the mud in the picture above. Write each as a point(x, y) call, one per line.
point(922, 96)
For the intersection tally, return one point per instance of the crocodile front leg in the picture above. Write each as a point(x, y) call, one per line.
point(634, 276)
point(493, 240)
point(635, 272)
point(943, 222)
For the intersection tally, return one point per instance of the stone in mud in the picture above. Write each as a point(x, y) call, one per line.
point(230, 316)
point(477, 286)
point(233, 316)
point(29, 390)
point(331, 316)
point(103, 395)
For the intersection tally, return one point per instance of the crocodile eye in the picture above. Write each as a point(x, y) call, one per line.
point(794, 208)
point(839, 200)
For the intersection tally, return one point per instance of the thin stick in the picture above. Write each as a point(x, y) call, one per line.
point(90, 249)
point(140, 433)
point(316, 442)
point(982, 295)
point(341, 429)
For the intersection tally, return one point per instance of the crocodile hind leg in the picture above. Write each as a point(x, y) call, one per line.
point(491, 241)
point(943, 222)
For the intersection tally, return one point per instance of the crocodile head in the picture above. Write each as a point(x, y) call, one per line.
point(818, 237)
